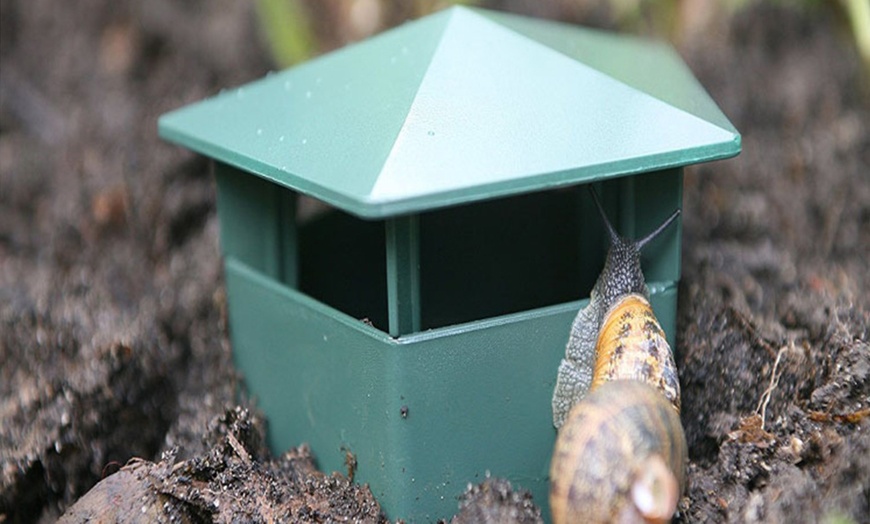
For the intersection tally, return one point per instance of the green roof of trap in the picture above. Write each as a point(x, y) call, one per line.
point(459, 106)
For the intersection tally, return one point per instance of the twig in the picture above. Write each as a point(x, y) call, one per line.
point(844, 418)
point(238, 448)
point(774, 381)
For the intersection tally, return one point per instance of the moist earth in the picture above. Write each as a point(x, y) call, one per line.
point(116, 366)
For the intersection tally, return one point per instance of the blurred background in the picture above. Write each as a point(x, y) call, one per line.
point(113, 338)
point(296, 30)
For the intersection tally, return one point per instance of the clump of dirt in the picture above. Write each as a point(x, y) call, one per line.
point(112, 314)
point(495, 501)
point(789, 438)
point(99, 400)
point(235, 481)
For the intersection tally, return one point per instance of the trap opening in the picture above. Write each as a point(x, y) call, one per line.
point(475, 261)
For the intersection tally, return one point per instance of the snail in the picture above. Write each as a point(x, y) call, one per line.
point(621, 454)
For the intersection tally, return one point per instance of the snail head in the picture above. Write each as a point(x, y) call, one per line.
point(622, 273)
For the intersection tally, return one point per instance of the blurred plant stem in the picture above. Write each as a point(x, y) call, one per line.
point(858, 12)
point(286, 24)
point(661, 17)
point(287, 28)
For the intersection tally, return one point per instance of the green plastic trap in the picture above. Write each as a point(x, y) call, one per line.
point(419, 321)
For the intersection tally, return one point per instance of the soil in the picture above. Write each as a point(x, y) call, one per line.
point(114, 357)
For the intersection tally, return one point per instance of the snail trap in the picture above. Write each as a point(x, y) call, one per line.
point(407, 235)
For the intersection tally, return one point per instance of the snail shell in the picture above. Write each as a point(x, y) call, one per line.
point(620, 457)
point(631, 345)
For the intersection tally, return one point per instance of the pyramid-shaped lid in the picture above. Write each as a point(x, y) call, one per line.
point(459, 106)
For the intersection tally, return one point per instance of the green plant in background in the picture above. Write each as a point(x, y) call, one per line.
point(858, 12)
point(287, 24)
point(287, 28)
point(639, 16)
point(835, 517)
point(662, 17)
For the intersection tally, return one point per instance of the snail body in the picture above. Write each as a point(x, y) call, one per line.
point(621, 452)
point(620, 279)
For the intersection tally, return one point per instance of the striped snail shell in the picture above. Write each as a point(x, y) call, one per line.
point(620, 457)
point(632, 346)
point(621, 452)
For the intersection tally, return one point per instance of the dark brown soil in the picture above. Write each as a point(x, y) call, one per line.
point(234, 481)
point(112, 314)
